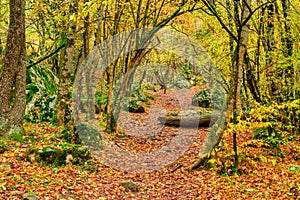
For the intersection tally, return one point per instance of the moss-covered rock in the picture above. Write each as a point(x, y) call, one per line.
point(89, 166)
point(59, 156)
point(130, 186)
point(136, 107)
point(90, 136)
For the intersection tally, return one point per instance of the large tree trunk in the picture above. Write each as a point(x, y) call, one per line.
point(66, 68)
point(13, 74)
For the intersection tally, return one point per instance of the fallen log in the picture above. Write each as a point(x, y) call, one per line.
point(189, 118)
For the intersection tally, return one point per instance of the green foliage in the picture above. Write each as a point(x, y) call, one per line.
point(202, 99)
point(186, 71)
point(3, 147)
point(42, 109)
point(271, 136)
point(148, 86)
point(41, 91)
point(276, 123)
point(282, 116)
point(41, 78)
point(209, 99)
point(67, 134)
point(16, 134)
point(295, 168)
point(138, 96)
point(101, 96)
point(187, 77)
point(4, 125)
point(283, 84)
point(32, 89)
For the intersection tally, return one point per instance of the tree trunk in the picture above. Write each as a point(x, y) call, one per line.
point(270, 34)
point(233, 99)
point(13, 74)
point(269, 48)
point(288, 41)
point(189, 121)
point(288, 51)
point(66, 67)
point(110, 120)
point(241, 48)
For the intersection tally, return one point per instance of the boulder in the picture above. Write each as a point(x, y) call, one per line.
point(89, 166)
point(136, 107)
point(68, 154)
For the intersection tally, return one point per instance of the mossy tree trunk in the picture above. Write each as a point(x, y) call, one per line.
point(13, 72)
point(66, 65)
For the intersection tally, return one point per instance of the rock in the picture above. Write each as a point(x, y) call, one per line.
point(89, 166)
point(136, 107)
point(30, 196)
point(182, 84)
point(90, 136)
point(69, 154)
point(69, 159)
point(130, 186)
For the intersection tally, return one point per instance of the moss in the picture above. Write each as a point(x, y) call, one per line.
point(90, 136)
point(3, 147)
point(130, 186)
point(51, 156)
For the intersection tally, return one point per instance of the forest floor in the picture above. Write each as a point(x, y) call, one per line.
point(264, 172)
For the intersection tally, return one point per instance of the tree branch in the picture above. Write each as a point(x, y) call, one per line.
point(46, 57)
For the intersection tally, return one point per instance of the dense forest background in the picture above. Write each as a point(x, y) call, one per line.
point(44, 45)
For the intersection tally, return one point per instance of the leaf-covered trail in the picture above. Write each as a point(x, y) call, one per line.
point(263, 175)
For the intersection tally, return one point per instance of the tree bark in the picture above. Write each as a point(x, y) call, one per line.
point(288, 50)
point(189, 121)
point(66, 67)
point(13, 74)
point(288, 41)
point(243, 34)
